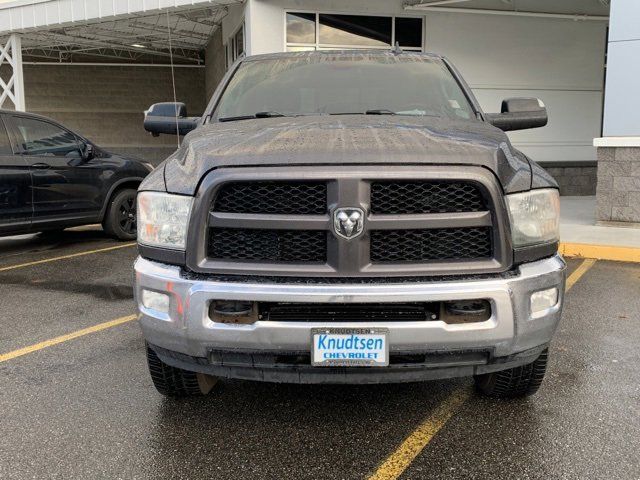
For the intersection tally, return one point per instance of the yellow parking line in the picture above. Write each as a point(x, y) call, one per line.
point(579, 272)
point(65, 257)
point(401, 458)
point(64, 338)
point(600, 252)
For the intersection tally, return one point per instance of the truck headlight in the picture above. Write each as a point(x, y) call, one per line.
point(163, 219)
point(535, 217)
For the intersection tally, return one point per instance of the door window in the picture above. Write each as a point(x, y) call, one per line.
point(38, 137)
point(5, 145)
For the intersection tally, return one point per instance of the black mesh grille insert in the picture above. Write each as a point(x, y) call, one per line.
point(409, 197)
point(283, 198)
point(357, 312)
point(430, 245)
point(267, 245)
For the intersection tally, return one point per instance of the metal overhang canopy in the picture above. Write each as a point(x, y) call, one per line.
point(122, 36)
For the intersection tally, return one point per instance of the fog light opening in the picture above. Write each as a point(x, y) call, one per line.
point(231, 311)
point(155, 301)
point(465, 311)
point(543, 300)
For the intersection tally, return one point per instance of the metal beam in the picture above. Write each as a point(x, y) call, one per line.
point(437, 2)
point(13, 89)
point(425, 7)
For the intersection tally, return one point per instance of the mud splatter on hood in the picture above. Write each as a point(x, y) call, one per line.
point(342, 140)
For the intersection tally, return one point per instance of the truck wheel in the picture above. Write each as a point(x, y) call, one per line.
point(120, 219)
point(176, 382)
point(514, 382)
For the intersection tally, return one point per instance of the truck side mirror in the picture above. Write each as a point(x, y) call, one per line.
point(170, 118)
point(519, 114)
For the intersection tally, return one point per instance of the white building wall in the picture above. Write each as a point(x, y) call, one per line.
point(560, 61)
point(622, 106)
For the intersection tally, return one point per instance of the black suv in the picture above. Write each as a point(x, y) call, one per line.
point(52, 178)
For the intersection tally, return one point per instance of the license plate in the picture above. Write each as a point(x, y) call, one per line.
point(349, 347)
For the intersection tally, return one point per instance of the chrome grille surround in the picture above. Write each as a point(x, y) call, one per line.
point(350, 186)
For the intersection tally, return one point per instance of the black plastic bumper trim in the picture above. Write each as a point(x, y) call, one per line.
point(163, 255)
point(534, 253)
point(284, 373)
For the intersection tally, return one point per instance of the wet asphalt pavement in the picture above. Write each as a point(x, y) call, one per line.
point(86, 408)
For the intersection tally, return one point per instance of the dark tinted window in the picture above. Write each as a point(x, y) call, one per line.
point(5, 145)
point(301, 28)
point(355, 30)
point(240, 42)
point(37, 137)
point(327, 83)
point(409, 32)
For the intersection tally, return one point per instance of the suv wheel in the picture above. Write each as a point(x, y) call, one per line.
point(514, 382)
point(176, 382)
point(120, 219)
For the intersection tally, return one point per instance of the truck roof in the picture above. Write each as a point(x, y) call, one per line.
point(371, 52)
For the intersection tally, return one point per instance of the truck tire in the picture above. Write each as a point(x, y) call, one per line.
point(120, 219)
point(514, 382)
point(176, 382)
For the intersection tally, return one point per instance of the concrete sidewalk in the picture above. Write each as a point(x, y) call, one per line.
point(581, 236)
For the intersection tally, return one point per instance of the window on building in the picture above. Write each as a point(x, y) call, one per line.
point(301, 28)
point(320, 31)
point(37, 137)
point(235, 46)
point(409, 32)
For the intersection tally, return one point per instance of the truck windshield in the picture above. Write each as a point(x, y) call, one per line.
point(341, 84)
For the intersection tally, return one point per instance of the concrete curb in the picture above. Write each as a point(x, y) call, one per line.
point(600, 252)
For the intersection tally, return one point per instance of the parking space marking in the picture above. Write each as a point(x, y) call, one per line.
point(396, 463)
point(64, 338)
point(65, 257)
point(579, 272)
point(601, 252)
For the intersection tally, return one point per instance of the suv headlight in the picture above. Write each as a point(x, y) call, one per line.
point(163, 219)
point(535, 217)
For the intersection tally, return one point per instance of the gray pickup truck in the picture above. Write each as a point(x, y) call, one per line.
point(348, 217)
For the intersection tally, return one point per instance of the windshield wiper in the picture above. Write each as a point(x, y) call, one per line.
point(269, 114)
point(377, 111)
point(255, 115)
point(380, 111)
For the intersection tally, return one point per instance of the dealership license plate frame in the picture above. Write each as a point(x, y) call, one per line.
point(378, 331)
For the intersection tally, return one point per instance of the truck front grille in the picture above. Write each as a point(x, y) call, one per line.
point(268, 245)
point(418, 221)
point(273, 197)
point(410, 197)
point(429, 245)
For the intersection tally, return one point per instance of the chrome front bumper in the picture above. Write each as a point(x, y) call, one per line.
point(188, 331)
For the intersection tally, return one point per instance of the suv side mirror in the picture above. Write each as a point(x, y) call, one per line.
point(89, 152)
point(519, 114)
point(170, 118)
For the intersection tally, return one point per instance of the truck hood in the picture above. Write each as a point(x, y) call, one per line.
point(343, 140)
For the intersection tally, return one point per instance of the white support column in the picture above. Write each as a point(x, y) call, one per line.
point(13, 89)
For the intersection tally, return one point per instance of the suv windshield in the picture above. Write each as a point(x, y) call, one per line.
point(334, 84)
